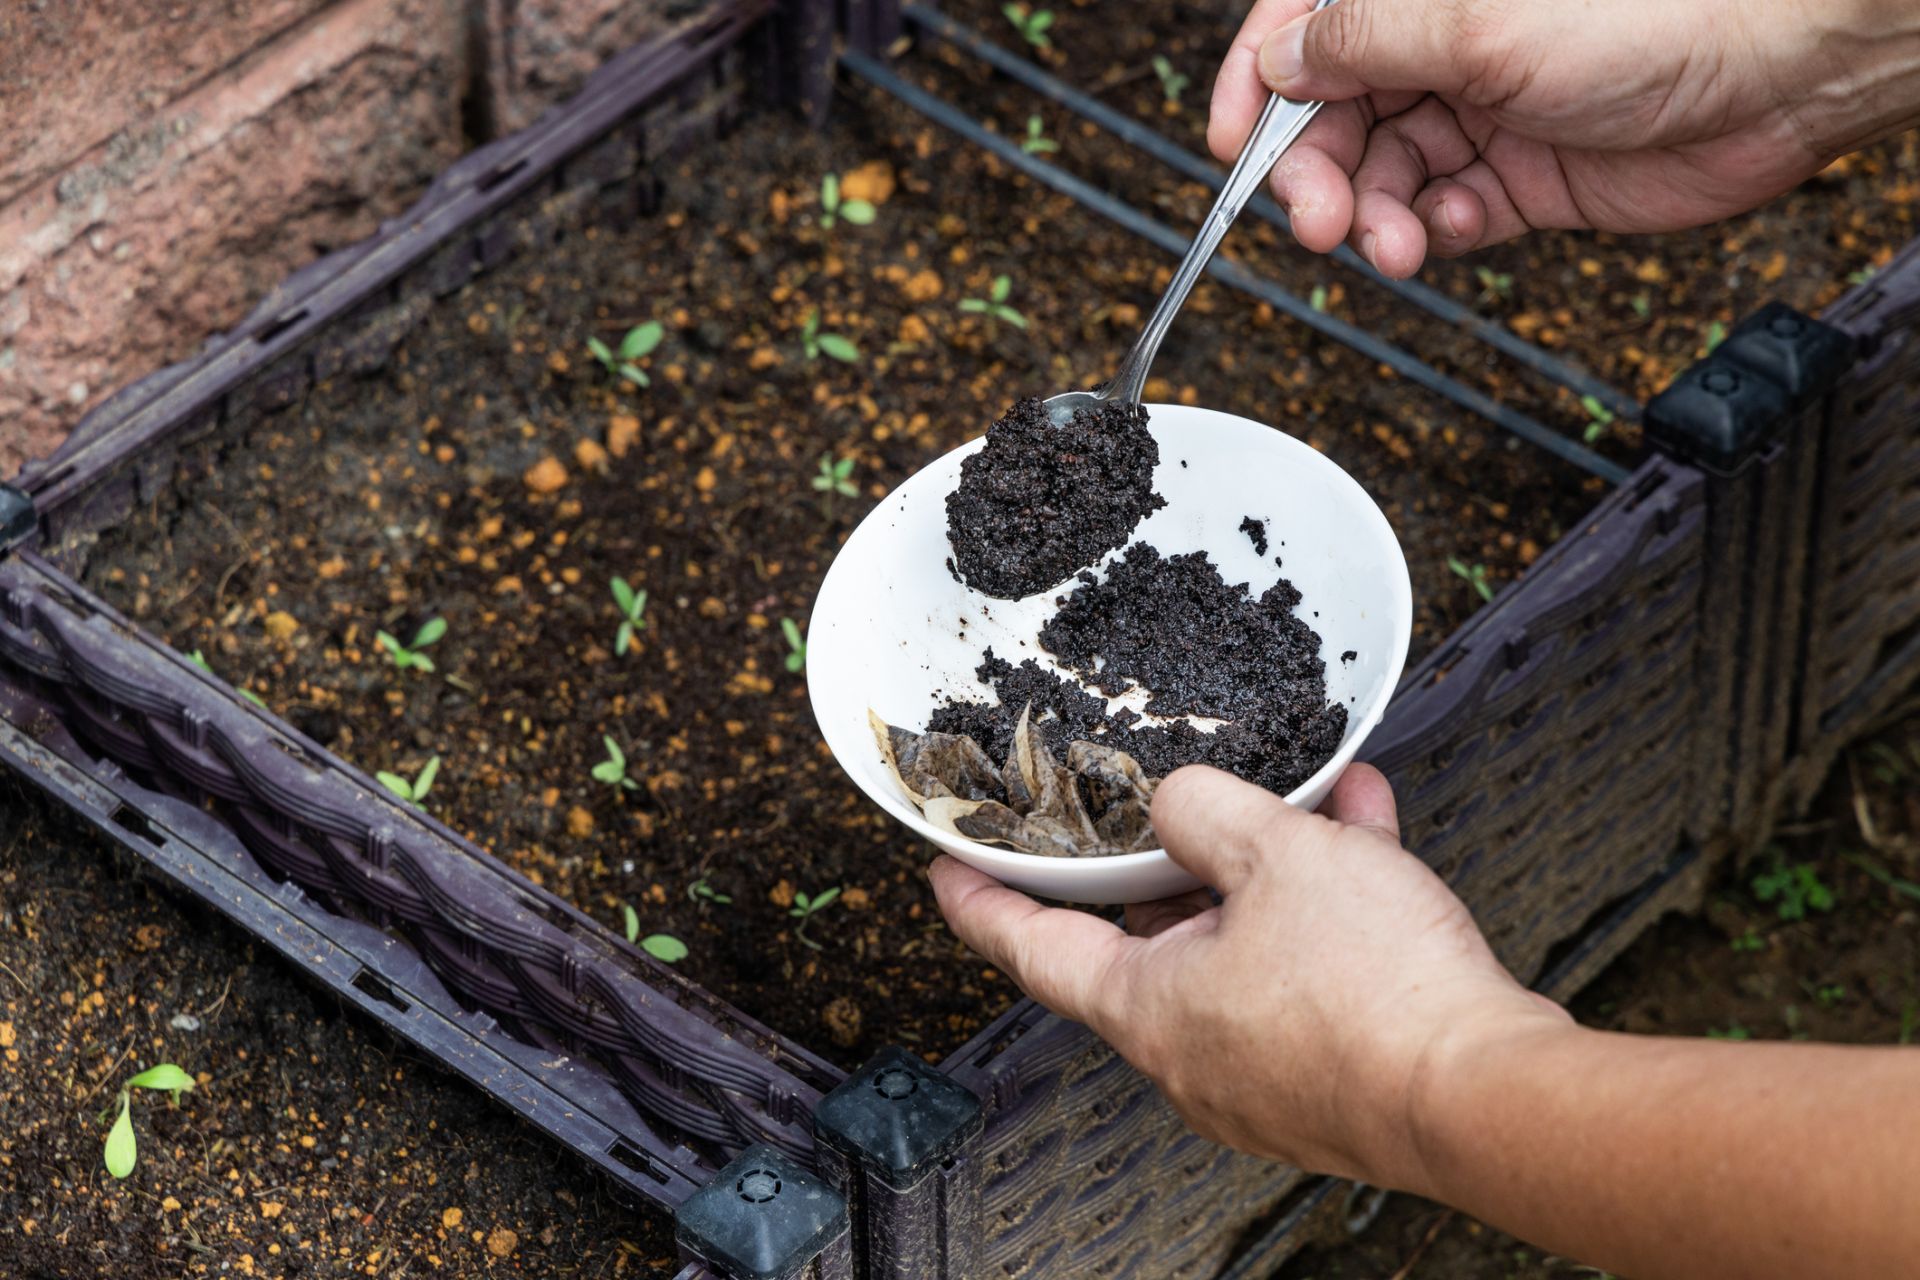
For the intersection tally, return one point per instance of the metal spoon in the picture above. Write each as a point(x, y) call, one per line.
point(1281, 124)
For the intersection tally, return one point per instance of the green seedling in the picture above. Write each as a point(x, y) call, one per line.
point(1829, 994)
point(1716, 334)
point(701, 891)
point(1318, 299)
point(1037, 142)
point(995, 303)
point(413, 655)
point(1495, 286)
point(832, 208)
point(816, 344)
point(1732, 1031)
point(1474, 574)
point(1794, 889)
point(1599, 418)
point(413, 790)
point(633, 615)
point(835, 477)
point(663, 947)
point(613, 770)
point(1861, 276)
point(121, 1150)
point(1749, 941)
point(796, 647)
point(804, 908)
point(197, 660)
point(1642, 305)
point(1032, 24)
point(1172, 83)
point(638, 344)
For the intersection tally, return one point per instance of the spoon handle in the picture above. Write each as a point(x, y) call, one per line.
point(1283, 121)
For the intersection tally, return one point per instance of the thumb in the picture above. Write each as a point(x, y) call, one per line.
point(1222, 829)
point(1357, 46)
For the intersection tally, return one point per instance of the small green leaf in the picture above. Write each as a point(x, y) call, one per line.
point(601, 351)
point(642, 339)
point(385, 641)
point(396, 784)
point(839, 348)
point(608, 772)
point(636, 375)
point(1596, 410)
point(615, 756)
point(120, 1151)
point(623, 639)
point(633, 922)
point(1318, 298)
point(664, 947)
point(199, 661)
point(859, 212)
point(254, 698)
point(822, 899)
point(1011, 316)
point(424, 783)
point(812, 325)
point(1002, 287)
point(1040, 21)
point(430, 632)
point(623, 596)
point(164, 1078)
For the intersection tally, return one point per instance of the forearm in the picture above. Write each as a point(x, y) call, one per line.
point(1682, 1158)
point(1847, 71)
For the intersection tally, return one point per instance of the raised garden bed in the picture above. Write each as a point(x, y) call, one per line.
point(371, 450)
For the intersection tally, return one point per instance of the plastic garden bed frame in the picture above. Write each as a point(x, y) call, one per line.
point(1679, 667)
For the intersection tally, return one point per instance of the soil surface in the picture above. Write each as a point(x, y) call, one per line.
point(312, 1146)
point(1041, 502)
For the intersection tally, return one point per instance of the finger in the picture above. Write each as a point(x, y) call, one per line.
point(1362, 797)
point(1313, 181)
point(1067, 960)
point(1151, 919)
point(1361, 45)
point(1222, 829)
point(1238, 95)
point(1455, 216)
point(1404, 153)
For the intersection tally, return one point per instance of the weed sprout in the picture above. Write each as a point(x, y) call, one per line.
point(412, 790)
point(1794, 889)
point(1031, 23)
point(613, 770)
point(663, 947)
point(1599, 418)
point(796, 647)
point(835, 478)
point(1037, 142)
point(804, 908)
point(1172, 83)
point(121, 1150)
point(638, 344)
point(995, 303)
point(1474, 575)
point(701, 891)
point(413, 655)
point(633, 615)
point(1495, 286)
point(832, 345)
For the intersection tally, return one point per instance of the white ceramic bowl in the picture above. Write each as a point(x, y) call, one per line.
point(893, 631)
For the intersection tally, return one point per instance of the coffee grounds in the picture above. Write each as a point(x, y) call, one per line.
point(1200, 646)
point(1042, 501)
point(1256, 531)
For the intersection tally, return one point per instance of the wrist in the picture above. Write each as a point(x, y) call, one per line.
point(1847, 72)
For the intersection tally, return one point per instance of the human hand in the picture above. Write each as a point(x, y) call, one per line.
point(1454, 124)
point(1304, 1016)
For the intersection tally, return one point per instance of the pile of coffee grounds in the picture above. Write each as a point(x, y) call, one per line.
point(1202, 647)
point(1040, 501)
point(1256, 531)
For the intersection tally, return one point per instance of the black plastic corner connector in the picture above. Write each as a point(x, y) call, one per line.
point(18, 520)
point(897, 1117)
point(1729, 408)
point(762, 1217)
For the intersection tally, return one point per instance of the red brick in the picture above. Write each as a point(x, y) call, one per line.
point(168, 231)
point(74, 74)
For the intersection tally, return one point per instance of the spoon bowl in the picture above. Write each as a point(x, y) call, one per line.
point(893, 631)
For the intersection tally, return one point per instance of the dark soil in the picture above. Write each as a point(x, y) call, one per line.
point(1199, 647)
point(1041, 502)
point(312, 1146)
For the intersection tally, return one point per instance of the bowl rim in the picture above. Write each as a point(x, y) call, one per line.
point(1400, 597)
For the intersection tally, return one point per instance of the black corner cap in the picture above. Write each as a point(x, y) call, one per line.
point(762, 1217)
point(1717, 415)
point(898, 1117)
point(18, 520)
point(1797, 353)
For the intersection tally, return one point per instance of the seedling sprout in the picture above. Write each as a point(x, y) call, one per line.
point(832, 208)
point(995, 303)
point(121, 1151)
point(663, 947)
point(1474, 574)
point(832, 345)
point(835, 478)
point(1032, 24)
point(613, 770)
point(1172, 83)
point(638, 344)
point(1037, 142)
point(804, 908)
point(633, 615)
point(796, 647)
point(1495, 286)
point(414, 790)
point(701, 891)
point(1599, 418)
point(413, 655)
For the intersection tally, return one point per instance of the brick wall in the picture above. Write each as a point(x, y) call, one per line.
point(164, 162)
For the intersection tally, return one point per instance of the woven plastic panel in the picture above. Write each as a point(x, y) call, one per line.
point(704, 1076)
point(1543, 757)
point(1863, 649)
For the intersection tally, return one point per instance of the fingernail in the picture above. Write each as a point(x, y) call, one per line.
point(1284, 54)
point(1368, 243)
point(1443, 221)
